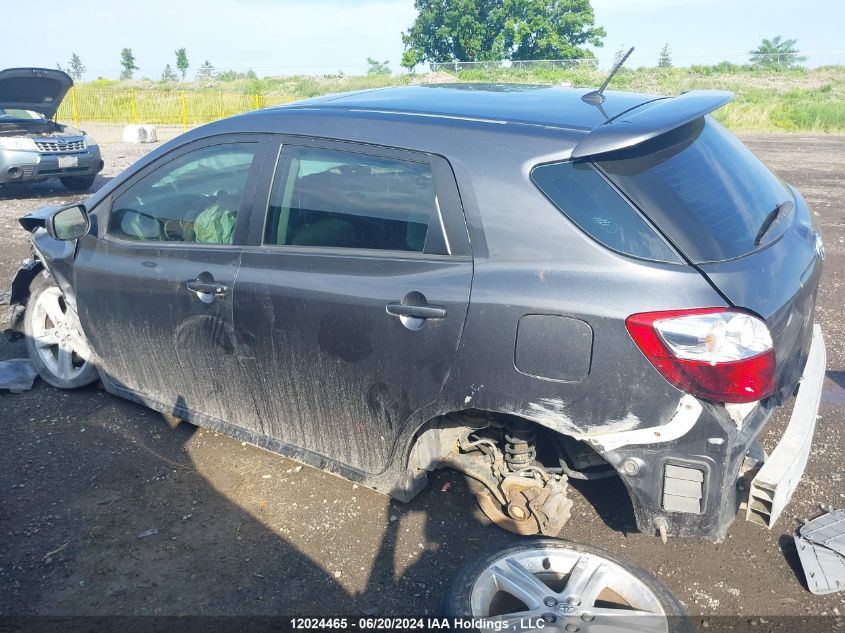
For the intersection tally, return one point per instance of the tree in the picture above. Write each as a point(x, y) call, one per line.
point(665, 58)
point(182, 62)
point(376, 67)
point(485, 30)
point(409, 60)
point(76, 68)
point(776, 53)
point(168, 74)
point(206, 72)
point(127, 61)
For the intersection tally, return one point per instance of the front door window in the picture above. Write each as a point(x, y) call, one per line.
point(194, 198)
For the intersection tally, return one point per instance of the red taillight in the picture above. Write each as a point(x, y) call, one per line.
point(714, 353)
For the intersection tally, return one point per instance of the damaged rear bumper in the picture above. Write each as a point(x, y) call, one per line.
point(688, 483)
point(773, 486)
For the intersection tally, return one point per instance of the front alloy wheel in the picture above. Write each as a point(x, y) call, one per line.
point(54, 338)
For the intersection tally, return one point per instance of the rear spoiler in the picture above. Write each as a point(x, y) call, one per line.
point(649, 120)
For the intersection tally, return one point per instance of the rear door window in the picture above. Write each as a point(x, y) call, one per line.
point(592, 203)
point(702, 187)
point(340, 199)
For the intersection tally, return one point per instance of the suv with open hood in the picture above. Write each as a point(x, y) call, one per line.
point(33, 147)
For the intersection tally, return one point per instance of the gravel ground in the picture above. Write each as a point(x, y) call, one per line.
point(106, 509)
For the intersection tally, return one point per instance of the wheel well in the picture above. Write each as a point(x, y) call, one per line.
point(452, 424)
point(556, 451)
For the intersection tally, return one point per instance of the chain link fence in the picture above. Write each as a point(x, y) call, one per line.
point(104, 113)
point(809, 59)
point(566, 64)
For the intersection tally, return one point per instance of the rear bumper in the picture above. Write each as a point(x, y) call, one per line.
point(773, 486)
point(690, 484)
point(23, 166)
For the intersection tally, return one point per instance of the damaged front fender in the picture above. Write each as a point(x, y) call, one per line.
point(57, 257)
point(49, 257)
point(23, 278)
point(54, 256)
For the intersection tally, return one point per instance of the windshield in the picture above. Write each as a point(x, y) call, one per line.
point(19, 115)
point(703, 188)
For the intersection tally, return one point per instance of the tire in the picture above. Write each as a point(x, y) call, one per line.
point(458, 601)
point(46, 319)
point(78, 183)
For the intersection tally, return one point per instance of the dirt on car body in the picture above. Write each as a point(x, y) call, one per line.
point(108, 510)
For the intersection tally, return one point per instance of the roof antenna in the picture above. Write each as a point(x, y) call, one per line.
point(596, 97)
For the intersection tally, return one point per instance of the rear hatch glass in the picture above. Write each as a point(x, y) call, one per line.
point(711, 196)
point(703, 188)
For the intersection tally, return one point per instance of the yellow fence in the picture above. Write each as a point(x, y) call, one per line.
point(170, 108)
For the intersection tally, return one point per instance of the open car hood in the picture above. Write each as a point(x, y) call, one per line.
point(37, 89)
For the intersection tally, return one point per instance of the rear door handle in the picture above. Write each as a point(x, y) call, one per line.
point(419, 312)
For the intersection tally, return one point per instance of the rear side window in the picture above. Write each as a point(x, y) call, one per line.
point(587, 199)
point(703, 188)
point(342, 199)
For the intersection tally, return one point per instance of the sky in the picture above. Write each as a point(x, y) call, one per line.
point(326, 36)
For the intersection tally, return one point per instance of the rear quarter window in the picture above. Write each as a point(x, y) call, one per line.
point(586, 198)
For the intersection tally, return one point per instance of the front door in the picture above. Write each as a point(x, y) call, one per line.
point(351, 301)
point(155, 285)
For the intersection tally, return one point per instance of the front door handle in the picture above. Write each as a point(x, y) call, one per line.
point(206, 288)
point(418, 312)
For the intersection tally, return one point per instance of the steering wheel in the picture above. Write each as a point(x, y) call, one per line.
point(172, 230)
point(160, 230)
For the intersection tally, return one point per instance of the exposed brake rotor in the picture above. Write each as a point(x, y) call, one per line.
point(532, 507)
point(514, 489)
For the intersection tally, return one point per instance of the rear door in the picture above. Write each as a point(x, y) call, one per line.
point(749, 233)
point(351, 300)
point(154, 287)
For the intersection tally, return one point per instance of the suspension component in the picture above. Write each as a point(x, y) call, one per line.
point(520, 448)
point(499, 456)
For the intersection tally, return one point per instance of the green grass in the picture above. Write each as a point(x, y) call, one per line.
point(799, 100)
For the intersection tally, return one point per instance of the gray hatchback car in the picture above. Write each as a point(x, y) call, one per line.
point(525, 283)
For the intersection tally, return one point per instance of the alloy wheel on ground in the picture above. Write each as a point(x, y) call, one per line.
point(559, 586)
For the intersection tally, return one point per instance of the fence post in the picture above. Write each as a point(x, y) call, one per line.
point(134, 109)
point(184, 103)
point(75, 109)
point(257, 102)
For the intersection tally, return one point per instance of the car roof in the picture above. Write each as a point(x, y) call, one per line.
point(535, 122)
point(543, 105)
